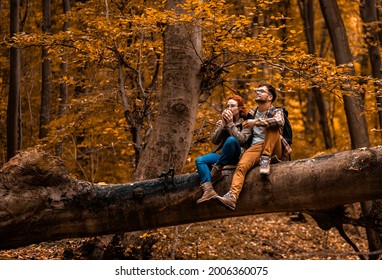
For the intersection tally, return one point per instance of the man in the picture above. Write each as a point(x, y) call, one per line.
point(266, 123)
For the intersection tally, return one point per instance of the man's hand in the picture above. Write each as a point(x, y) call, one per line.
point(251, 123)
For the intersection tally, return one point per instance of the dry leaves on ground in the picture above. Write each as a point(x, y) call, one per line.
point(268, 237)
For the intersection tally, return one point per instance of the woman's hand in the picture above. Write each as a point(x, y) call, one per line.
point(219, 123)
point(227, 116)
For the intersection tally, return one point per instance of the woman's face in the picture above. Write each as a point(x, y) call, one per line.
point(232, 105)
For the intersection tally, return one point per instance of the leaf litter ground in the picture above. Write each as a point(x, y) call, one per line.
point(267, 237)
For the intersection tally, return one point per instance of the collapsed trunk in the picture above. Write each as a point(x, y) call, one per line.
point(41, 202)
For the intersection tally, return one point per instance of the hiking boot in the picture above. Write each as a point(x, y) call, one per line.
point(216, 172)
point(265, 165)
point(229, 200)
point(208, 192)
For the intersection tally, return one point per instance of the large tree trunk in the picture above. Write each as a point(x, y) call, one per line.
point(41, 202)
point(368, 11)
point(14, 84)
point(352, 100)
point(171, 137)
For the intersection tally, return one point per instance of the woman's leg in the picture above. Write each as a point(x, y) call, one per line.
point(203, 164)
point(230, 152)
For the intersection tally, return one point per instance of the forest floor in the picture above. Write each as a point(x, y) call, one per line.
point(266, 237)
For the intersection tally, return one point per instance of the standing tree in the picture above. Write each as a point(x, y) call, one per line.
point(307, 15)
point(64, 65)
point(14, 84)
point(171, 137)
point(63, 100)
point(46, 73)
point(352, 100)
point(368, 13)
point(368, 10)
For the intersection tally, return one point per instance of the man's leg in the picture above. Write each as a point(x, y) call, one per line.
point(272, 146)
point(272, 143)
point(250, 158)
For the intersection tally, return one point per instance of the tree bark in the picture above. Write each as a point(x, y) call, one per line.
point(45, 74)
point(171, 137)
point(14, 84)
point(41, 202)
point(368, 11)
point(352, 100)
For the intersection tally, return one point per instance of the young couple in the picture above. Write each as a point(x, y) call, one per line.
point(257, 132)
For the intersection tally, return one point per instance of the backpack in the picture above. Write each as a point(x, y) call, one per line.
point(287, 128)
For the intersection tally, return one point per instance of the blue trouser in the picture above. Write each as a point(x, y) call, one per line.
point(230, 154)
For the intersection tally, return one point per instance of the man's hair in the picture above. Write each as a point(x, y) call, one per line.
point(240, 104)
point(271, 89)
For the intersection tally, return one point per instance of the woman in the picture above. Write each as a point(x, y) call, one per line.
point(230, 137)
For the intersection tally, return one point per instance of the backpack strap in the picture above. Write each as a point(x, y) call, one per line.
point(252, 113)
point(272, 110)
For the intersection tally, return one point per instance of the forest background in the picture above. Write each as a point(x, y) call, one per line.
point(91, 76)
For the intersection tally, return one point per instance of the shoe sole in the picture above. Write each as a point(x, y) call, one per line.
point(226, 205)
point(263, 172)
point(206, 199)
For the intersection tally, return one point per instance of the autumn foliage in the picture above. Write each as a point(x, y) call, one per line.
point(242, 45)
point(109, 57)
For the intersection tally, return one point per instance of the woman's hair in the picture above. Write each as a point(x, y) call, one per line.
point(240, 103)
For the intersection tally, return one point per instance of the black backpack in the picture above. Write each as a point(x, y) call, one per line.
point(287, 128)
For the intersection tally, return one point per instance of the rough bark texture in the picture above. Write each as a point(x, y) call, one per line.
point(171, 137)
point(41, 202)
point(13, 141)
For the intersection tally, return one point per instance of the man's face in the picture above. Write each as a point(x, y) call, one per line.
point(263, 95)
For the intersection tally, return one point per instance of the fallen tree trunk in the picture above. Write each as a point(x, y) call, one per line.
point(41, 202)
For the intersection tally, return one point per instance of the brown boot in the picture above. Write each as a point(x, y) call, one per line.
point(216, 172)
point(229, 200)
point(208, 192)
